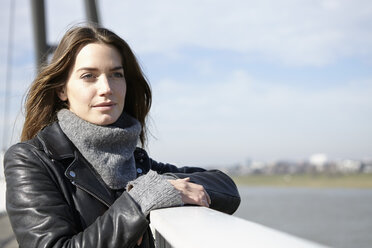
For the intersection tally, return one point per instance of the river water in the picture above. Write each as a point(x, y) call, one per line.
point(333, 217)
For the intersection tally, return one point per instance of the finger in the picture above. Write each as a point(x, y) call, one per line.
point(186, 179)
point(205, 203)
point(203, 200)
point(208, 197)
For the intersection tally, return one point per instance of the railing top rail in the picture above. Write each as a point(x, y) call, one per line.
point(199, 227)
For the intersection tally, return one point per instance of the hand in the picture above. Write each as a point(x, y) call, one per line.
point(191, 193)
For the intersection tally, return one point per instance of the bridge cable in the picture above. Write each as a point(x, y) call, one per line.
point(8, 75)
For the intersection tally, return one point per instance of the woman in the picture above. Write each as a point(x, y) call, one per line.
point(77, 178)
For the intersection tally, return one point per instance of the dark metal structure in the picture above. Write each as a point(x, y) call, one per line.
point(42, 48)
point(38, 21)
point(91, 11)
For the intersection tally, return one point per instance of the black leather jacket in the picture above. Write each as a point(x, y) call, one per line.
point(56, 199)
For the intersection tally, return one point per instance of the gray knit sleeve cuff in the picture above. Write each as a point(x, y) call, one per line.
point(153, 191)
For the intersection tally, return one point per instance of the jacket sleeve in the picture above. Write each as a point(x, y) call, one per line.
point(221, 188)
point(41, 217)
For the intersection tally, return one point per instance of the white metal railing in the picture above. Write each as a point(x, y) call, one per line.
point(198, 227)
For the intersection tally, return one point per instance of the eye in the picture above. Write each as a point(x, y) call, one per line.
point(118, 75)
point(87, 76)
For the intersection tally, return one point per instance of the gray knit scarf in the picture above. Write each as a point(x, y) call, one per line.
point(108, 148)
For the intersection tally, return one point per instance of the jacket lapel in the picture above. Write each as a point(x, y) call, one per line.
point(79, 171)
point(84, 177)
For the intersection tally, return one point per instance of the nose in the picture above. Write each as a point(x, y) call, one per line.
point(104, 87)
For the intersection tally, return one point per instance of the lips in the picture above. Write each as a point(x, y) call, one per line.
point(104, 104)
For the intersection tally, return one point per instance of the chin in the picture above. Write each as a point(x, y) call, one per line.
point(104, 120)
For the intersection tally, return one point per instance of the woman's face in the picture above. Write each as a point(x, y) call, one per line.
point(96, 87)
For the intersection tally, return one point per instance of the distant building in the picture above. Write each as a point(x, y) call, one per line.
point(319, 161)
point(349, 166)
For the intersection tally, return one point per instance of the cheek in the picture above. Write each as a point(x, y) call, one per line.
point(80, 95)
point(122, 90)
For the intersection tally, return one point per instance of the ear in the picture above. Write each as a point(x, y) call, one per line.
point(62, 94)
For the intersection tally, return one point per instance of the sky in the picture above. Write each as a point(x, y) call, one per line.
point(232, 80)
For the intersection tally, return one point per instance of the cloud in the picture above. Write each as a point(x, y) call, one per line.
point(304, 32)
point(314, 33)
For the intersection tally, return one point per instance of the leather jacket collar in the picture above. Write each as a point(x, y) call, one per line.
point(55, 142)
point(59, 148)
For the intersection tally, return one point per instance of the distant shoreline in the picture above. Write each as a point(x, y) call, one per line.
point(307, 180)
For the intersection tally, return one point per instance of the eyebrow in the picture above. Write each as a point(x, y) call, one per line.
point(95, 69)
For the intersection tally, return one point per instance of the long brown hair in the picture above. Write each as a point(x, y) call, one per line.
point(42, 102)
